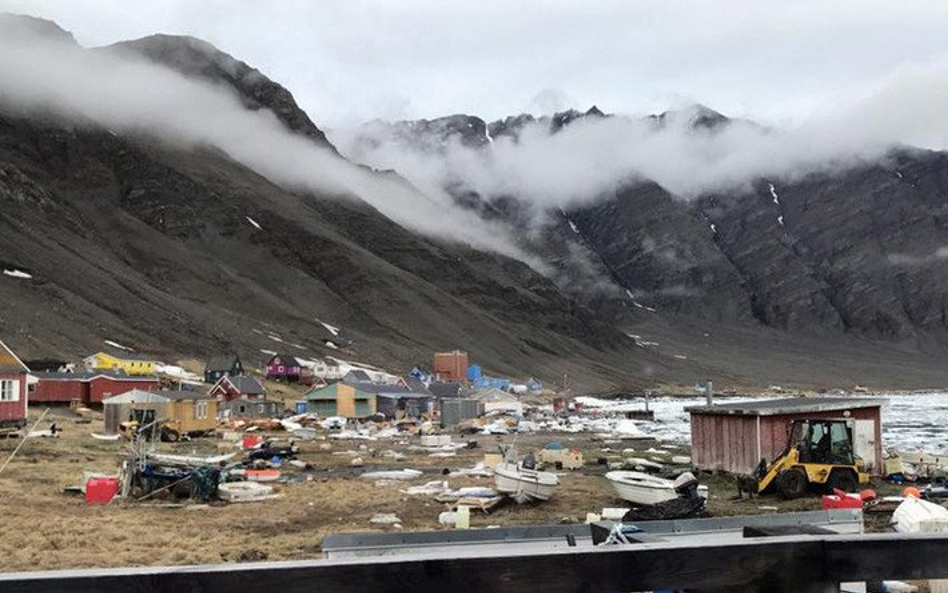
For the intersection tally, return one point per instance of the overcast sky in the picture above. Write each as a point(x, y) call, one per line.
point(349, 61)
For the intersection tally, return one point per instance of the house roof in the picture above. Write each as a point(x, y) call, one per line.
point(401, 395)
point(9, 362)
point(288, 360)
point(331, 392)
point(369, 387)
point(221, 363)
point(788, 405)
point(494, 394)
point(444, 389)
point(245, 384)
point(357, 376)
point(137, 396)
point(86, 376)
point(417, 386)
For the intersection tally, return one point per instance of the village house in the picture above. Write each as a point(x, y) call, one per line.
point(229, 388)
point(13, 385)
point(186, 412)
point(340, 399)
point(250, 408)
point(133, 364)
point(227, 365)
point(283, 367)
point(87, 388)
point(324, 369)
point(734, 437)
point(496, 399)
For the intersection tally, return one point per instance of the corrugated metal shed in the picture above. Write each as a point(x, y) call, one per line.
point(454, 410)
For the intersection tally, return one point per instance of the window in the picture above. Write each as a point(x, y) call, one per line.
point(9, 390)
point(200, 410)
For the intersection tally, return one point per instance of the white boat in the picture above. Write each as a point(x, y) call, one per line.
point(106, 437)
point(522, 484)
point(644, 489)
point(244, 492)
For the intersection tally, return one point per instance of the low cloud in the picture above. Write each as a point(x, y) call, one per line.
point(42, 75)
point(596, 155)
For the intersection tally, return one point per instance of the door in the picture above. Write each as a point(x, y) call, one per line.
point(864, 442)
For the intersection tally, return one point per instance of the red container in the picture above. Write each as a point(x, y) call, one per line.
point(251, 440)
point(101, 490)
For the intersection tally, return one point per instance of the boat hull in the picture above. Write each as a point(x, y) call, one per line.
point(642, 489)
point(524, 485)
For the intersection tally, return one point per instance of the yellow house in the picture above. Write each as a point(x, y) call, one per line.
point(133, 364)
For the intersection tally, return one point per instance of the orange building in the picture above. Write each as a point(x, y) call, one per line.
point(450, 366)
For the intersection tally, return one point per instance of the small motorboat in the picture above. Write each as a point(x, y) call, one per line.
point(643, 489)
point(521, 481)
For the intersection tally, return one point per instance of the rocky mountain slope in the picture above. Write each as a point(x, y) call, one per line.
point(184, 252)
point(839, 260)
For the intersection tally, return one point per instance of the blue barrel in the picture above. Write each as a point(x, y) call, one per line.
point(301, 407)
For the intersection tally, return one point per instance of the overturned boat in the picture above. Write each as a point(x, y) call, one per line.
point(640, 488)
point(521, 481)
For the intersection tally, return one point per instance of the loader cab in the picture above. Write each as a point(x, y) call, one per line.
point(823, 441)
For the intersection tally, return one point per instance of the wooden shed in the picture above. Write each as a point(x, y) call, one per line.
point(189, 411)
point(734, 437)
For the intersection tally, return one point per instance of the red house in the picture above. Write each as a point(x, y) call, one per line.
point(87, 388)
point(239, 387)
point(283, 367)
point(13, 383)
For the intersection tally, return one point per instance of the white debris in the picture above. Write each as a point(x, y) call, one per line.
point(429, 489)
point(899, 174)
point(681, 357)
point(714, 229)
point(780, 220)
point(392, 474)
point(385, 519)
point(773, 192)
point(117, 345)
point(15, 273)
point(650, 309)
point(573, 226)
point(270, 352)
point(331, 344)
point(275, 338)
point(253, 222)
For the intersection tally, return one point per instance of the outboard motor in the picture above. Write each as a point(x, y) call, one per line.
point(686, 485)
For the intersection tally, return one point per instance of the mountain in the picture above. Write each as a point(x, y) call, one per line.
point(850, 261)
point(184, 252)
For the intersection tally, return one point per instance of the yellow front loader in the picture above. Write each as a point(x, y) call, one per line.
point(819, 453)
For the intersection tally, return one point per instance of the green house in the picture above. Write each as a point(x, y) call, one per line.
point(340, 399)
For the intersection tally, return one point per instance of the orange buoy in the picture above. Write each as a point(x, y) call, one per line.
point(911, 491)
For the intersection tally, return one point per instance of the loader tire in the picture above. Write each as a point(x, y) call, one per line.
point(791, 483)
point(842, 479)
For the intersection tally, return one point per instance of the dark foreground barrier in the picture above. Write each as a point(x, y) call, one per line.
point(799, 563)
